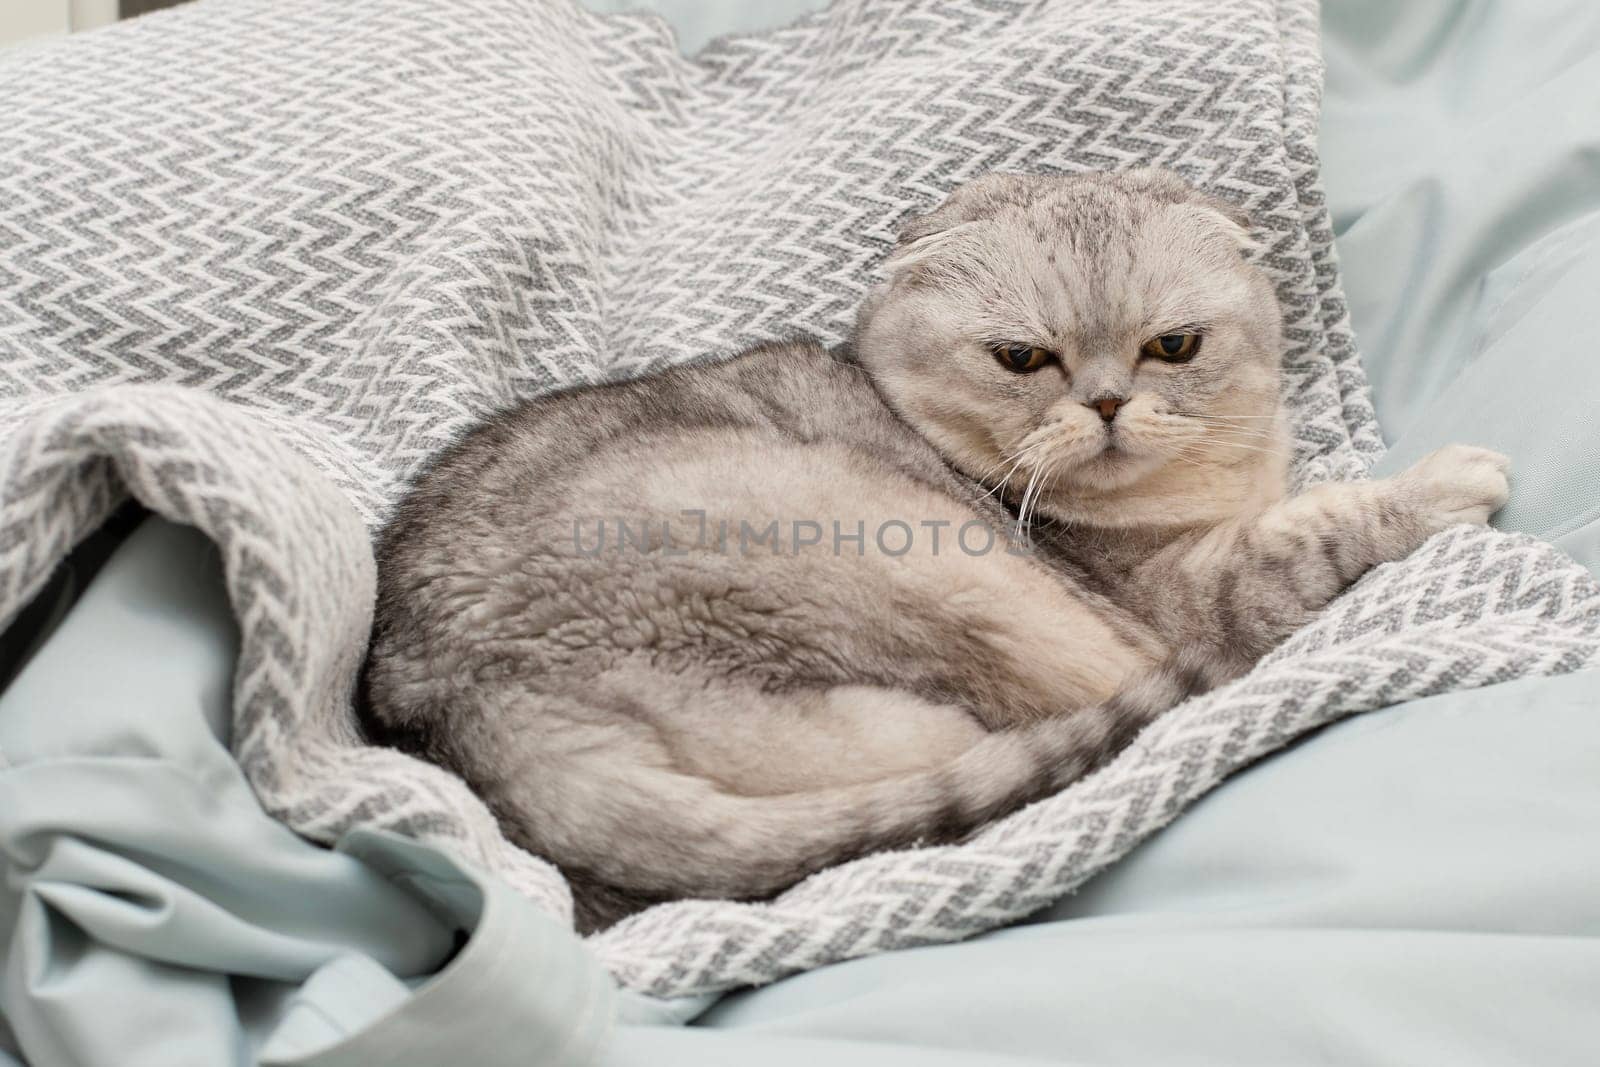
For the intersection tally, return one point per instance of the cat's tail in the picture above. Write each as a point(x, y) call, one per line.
point(666, 843)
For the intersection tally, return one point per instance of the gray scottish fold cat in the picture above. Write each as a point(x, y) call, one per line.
point(702, 634)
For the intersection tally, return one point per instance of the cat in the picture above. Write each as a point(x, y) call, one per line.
point(698, 635)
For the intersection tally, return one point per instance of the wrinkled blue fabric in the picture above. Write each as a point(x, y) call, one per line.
point(152, 913)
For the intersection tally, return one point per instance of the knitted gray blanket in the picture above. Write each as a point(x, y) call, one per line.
point(259, 259)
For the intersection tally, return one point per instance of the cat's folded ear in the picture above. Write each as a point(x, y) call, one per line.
point(1163, 183)
point(923, 235)
point(1235, 219)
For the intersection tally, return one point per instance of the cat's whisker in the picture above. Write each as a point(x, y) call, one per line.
point(1029, 498)
point(1050, 470)
point(1005, 481)
point(1022, 456)
point(1252, 442)
point(1211, 453)
point(1239, 433)
point(1236, 433)
point(1050, 467)
point(1022, 530)
point(1230, 424)
point(1198, 453)
point(985, 476)
point(1202, 415)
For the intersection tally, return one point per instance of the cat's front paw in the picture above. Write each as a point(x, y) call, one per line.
point(1457, 484)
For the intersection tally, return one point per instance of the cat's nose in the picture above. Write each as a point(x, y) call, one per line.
point(1107, 406)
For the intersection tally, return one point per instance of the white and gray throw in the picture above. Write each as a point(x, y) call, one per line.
point(260, 259)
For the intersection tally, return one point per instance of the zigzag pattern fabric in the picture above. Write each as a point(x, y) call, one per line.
point(261, 259)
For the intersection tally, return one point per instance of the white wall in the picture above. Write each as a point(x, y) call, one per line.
point(21, 20)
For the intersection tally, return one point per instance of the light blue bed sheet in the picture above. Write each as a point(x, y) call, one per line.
point(1413, 887)
point(1461, 149)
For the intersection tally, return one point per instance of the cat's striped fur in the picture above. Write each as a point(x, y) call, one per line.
point(673, 717)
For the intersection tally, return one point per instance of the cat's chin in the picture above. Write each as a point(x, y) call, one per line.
point(1108, 470)
point(1128, 489)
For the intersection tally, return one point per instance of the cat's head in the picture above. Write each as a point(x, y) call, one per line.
point(1101, 338)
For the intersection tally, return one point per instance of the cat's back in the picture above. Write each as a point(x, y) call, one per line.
point(770, 432)
point(550, 538)
point(793, 391)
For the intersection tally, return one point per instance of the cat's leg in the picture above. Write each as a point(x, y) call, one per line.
point(923, 596)
point(1253, 583)
point(1011, 643)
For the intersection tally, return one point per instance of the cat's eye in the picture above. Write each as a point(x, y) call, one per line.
point(1172, 347)
point(1022, 359)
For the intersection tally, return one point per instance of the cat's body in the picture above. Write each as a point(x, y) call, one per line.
point(702, 634)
